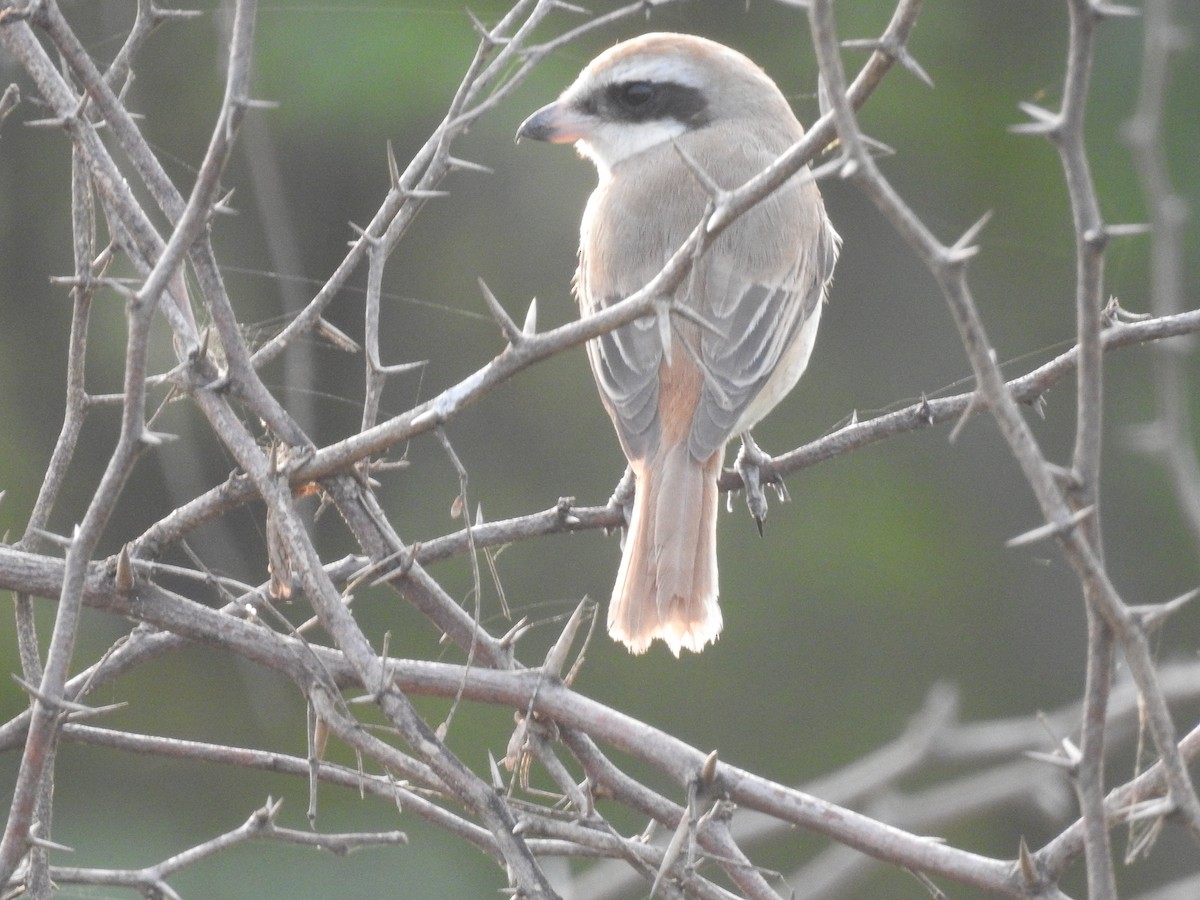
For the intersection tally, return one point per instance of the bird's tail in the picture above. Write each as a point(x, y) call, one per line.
point(667, 584)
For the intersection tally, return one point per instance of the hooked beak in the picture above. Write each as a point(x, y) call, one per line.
point(555, 123)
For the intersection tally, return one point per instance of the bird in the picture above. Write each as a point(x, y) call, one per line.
point(667, 118)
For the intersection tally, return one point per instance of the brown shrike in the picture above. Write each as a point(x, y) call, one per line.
point(636, 111)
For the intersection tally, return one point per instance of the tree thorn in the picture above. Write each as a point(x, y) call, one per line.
point(1044, 122)
point(485, 33)
point(515, 633)
point(335, 336)
point(556, 657)
point(125, 575)
point(507, 326)
point(9, 100)
point(1050, 529)
point(715, 192)
point(223, 207)
point(1054, 759)
point(423, 194)
point(1151, 617)
point(465, 164)
point(572, 8)
point(529, 328)
point(150, 438)
point(1027, 864)
point(37, 840)
point(662, 318)
point(393, 167)
point(686, 312)
point(1102, 9)
point(1127, 229)
point(363, 235)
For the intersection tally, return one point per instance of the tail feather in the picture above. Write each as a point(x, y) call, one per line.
point(667, 583)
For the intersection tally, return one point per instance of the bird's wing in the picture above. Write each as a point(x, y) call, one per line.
point(625, 242)
point(625, 362)
point(756, 318)
point(756, 286)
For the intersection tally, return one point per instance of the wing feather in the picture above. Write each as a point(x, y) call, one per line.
point(761, 320)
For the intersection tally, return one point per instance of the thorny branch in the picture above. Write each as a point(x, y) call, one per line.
point(567, 733)
point(1060, 497)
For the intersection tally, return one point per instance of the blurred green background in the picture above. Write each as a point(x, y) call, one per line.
point(886, 573)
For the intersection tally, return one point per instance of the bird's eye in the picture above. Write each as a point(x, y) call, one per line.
point(636, 94)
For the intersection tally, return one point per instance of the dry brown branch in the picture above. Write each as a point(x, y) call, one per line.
point(580, 770)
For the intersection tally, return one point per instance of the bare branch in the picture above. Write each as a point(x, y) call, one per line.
point(586, 776)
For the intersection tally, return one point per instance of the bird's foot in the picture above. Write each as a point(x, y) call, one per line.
point(751, 459)
point(622, 497)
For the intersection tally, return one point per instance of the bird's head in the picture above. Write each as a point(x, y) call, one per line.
point(652, 89)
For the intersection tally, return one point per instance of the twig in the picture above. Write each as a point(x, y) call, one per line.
point(261, 825)
point(1066, 131)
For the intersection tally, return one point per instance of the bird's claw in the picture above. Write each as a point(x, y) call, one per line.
point(749, 463)
point(622, 495)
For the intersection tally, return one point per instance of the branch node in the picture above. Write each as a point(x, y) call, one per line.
point(924, 410)
point(1097, 238)
point(363, 235)
point(889, 46)
point(514, 634)
point(562, 509)
point(60, 704)
point(407, 558)
point(965, 248)
point(263, 818)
